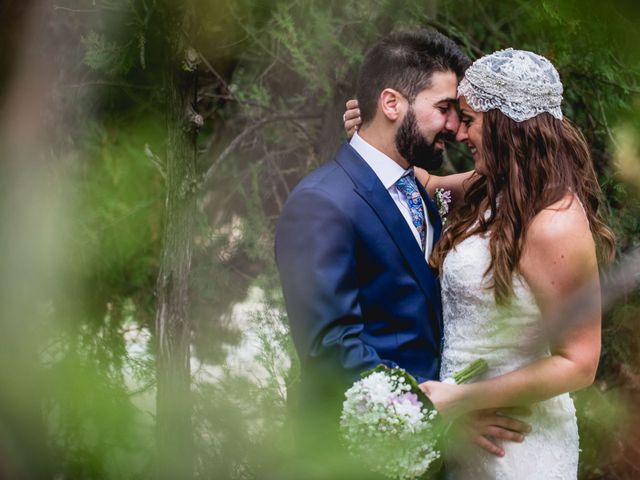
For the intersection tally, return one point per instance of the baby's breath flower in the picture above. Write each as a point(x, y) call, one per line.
point(387, 427)
point(385, 424)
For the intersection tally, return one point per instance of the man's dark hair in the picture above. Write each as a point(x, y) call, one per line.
point(405, 61)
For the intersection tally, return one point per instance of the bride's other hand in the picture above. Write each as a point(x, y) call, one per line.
point(352, 120)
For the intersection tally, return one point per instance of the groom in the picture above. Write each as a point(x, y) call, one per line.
point(354, 236)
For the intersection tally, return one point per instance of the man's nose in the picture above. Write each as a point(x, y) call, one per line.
point(453, 121)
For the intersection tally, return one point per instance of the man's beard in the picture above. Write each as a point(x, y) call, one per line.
point(414, 148)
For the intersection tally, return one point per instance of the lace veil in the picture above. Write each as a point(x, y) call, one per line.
point(519, 83)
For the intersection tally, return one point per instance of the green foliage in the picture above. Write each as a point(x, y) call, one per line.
point(98, 400)
point(116, 228)
point(106, 57)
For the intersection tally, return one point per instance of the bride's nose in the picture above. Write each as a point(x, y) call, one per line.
point(462, 134)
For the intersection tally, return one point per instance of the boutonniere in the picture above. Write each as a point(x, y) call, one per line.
point(443, 199)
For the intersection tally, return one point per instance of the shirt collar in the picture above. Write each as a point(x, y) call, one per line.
point(385, 168)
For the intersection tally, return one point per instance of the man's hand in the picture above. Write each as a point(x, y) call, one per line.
point(488, 428)
point(485, 428)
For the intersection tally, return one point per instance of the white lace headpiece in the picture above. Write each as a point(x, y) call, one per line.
point(519, 83)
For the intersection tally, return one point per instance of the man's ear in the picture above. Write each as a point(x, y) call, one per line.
point(392, 104)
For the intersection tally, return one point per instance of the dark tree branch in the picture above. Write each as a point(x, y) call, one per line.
point(206, 178)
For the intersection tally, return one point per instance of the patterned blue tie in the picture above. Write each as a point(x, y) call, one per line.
point(407, 185)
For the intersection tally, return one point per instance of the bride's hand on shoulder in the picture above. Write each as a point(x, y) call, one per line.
point(351, 117)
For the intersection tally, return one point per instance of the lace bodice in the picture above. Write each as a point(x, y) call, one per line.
point(474, 327)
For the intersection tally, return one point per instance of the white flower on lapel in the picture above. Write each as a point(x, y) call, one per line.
point(443, 199)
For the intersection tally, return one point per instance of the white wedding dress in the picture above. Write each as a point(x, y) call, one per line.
point(475, 328)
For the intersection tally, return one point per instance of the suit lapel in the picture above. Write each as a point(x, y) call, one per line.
point(370, 188)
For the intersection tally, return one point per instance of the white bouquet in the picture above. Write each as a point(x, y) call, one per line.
point(391, 425)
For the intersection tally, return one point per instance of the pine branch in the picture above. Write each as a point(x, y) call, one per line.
point(206, 178)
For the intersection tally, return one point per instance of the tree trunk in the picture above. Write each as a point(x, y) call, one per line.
point(173, 403)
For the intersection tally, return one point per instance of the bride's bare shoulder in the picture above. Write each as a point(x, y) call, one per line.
point(559, 251)
point(562, 221)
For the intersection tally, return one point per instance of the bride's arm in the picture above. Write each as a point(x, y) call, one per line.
point(558, 259)
point(454, 182)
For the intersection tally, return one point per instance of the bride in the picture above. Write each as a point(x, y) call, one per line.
point(521, 240)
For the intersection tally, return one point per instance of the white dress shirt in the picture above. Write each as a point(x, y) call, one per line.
point(389, 172)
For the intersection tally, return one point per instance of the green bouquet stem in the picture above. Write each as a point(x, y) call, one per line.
point(468, 373)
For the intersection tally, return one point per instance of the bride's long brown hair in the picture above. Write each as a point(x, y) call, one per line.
point(531, 164)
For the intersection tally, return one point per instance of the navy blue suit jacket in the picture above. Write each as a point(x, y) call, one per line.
point(357, 288)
